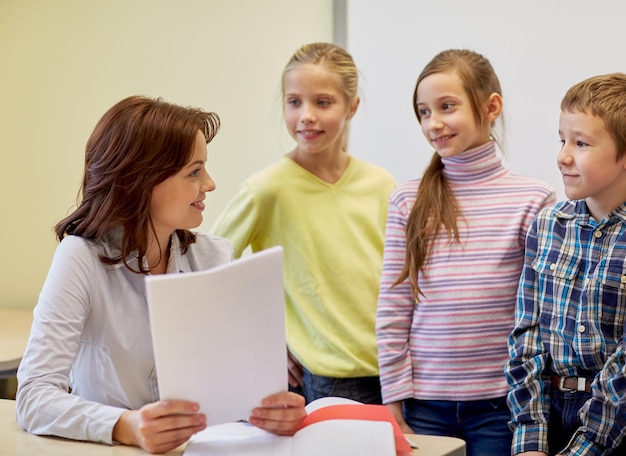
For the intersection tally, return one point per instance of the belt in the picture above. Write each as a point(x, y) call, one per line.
point(571, 384)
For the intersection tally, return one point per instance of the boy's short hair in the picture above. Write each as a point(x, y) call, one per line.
point(603, 96)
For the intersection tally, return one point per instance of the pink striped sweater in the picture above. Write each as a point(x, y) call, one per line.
point(452, 345)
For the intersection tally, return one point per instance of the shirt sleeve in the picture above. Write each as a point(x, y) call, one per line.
point(43, 403)
point(528, 398)
point(238, 222)
point(603, 418)
point(395, 314)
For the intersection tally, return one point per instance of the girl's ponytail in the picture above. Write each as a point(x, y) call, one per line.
point(434, 208)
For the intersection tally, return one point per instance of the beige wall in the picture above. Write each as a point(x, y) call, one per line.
point(64, 62)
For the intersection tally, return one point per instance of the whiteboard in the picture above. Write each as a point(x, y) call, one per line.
point(539, 48)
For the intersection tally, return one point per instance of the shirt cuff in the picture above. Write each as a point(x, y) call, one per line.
point(530, 437)
point(581, 445)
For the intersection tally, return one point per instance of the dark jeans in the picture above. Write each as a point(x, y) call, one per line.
point(564, 420)
point(482, 424)
point(362, 389)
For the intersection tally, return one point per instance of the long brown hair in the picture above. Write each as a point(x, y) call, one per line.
point(137, 144)
point(436, 206)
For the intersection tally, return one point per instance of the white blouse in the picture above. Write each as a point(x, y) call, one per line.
point(91, 333)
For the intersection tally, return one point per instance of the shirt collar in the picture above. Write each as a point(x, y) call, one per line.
point(572, 209)
point(111, 248)
point(474, 165)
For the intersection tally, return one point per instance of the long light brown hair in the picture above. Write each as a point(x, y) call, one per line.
point(436, 207)
point(137, 144)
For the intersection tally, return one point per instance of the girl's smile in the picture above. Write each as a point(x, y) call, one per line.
point(316, 110)
point(446, 116)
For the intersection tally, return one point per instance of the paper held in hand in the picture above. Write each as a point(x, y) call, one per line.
point(334, 426)
point(213, 331)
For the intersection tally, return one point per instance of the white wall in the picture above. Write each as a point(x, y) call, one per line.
point(64, 62)
point(538, 48)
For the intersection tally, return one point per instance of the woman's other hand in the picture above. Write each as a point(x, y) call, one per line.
point(280, 413)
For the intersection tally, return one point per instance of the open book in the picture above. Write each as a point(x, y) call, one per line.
point(334, 426)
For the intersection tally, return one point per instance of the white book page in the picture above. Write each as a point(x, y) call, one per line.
point(237, 439)
point(325, 438)
point(215, 330)
point(345, 438)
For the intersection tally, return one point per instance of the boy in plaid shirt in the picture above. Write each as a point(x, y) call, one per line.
point(567, 370)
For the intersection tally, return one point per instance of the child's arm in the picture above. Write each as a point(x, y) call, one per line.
point(604, 416)
point(396, 410)
point(395, 314)
point(239, 221)
point(529, 396)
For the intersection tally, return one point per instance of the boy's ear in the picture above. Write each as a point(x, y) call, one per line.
point(353, 107)
point(494, 107)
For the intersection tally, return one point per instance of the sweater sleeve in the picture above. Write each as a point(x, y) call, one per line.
point(43, 403)
point(238, 222)
point(395, 314)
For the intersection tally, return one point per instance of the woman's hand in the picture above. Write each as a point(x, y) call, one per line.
point(160, 426)
point(280, 413)
point(295, 370)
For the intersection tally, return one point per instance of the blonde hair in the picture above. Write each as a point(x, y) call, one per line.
point(603, 96)
point(436, 205)
point(334, 59)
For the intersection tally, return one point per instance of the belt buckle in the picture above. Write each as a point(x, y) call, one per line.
point(563, 388)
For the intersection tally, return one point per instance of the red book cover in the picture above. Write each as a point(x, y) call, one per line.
point(360, 412)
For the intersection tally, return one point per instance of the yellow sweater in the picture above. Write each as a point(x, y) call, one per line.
point(332, 236)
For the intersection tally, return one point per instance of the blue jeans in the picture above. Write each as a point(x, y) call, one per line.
point(482, 424)
point(362, 389)
point(564, 420)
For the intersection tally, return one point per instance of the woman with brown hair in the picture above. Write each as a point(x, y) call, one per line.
point(143, 191)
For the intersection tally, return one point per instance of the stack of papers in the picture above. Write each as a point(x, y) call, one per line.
point(219, 335)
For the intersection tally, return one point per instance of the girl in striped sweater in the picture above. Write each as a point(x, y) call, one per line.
point(453, 255)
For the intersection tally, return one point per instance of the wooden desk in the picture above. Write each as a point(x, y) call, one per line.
point(14, 441)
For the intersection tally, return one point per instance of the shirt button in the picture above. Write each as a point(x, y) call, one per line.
point(552, 267)
point(581, 328)
point(623, 279)
point(587, 280)
point(597, 234)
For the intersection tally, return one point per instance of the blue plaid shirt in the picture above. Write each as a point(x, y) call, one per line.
point(570, 322)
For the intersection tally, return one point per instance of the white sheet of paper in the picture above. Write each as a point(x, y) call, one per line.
point(219, 335)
